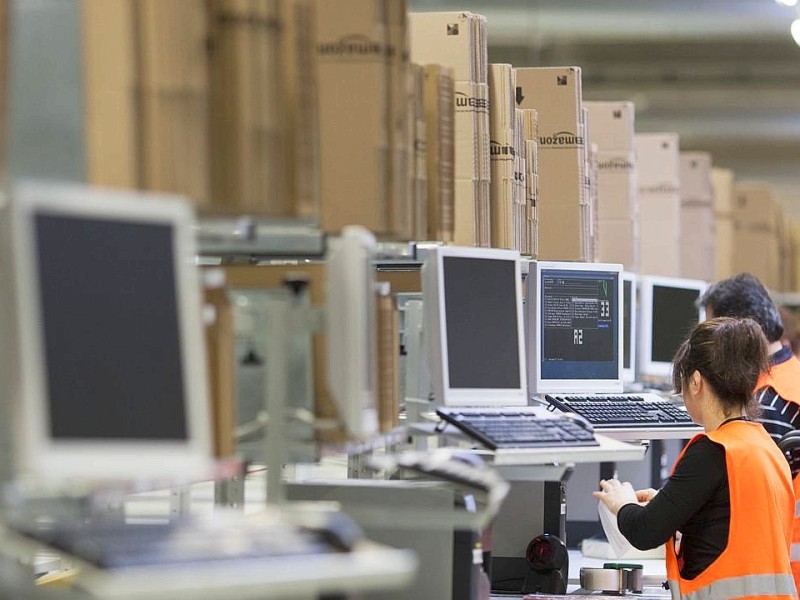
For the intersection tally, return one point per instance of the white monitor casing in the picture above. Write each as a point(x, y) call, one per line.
point(37, 453)
point(629, 374)
point(351, 329)
point(533, 302)
point(436, 330)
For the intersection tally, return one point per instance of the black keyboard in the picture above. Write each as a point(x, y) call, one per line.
point(609, 411)
point(112, 545)
point(523, 427)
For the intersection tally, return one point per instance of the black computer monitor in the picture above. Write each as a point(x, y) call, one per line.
point(668, 311)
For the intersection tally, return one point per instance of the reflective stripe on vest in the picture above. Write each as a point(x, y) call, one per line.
point(795, 552)
point(745, 586)
point(797, 510)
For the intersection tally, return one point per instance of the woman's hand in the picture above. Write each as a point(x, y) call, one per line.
point(615, 494)
point(644, 496)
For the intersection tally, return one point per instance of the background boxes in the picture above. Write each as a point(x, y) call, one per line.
point(562, 210)
point(611, 128)
point(697, 217)
point(659, 203)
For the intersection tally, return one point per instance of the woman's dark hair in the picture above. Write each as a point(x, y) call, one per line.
point(743, 296)
point(730, 354)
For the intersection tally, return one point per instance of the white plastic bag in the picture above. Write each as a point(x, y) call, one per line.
point(619, 543)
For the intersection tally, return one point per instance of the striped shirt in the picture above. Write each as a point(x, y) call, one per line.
point(780, 415)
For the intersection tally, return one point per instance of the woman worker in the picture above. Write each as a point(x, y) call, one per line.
point(726, 511)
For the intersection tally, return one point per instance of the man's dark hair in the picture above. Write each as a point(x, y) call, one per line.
point(743, 296)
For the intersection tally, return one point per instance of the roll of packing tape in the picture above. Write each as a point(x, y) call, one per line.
point(612, 579)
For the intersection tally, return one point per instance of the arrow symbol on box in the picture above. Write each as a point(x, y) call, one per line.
point(520, 97)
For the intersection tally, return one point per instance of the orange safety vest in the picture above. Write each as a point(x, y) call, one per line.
point(755, 563)
point(784, 378)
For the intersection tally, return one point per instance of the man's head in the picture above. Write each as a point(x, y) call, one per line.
point(743, 296)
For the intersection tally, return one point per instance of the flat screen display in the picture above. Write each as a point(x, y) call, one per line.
point(482, 329)
point(111, 331)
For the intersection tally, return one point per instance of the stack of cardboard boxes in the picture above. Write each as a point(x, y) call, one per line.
point(756, 248)
point(530, 123)
point(612, 130)
point(458, 40)
point(363, 74)
point(722, 186)
point(658, 171)
point(502, 128)
point(563, 214)
point(440, 151)
point(697, 217)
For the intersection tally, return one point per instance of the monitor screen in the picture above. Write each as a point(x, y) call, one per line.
point(674, 315)
point(107, 356)
point(629, 308)
point(667, 312)
point(576, 333)
point(472, 299)
point(107, 375)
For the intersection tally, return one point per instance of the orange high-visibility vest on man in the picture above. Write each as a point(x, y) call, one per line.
point(784, 378)
point(755, 563)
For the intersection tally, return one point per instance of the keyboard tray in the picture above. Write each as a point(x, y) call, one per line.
point(518, 427)
point(609, 411)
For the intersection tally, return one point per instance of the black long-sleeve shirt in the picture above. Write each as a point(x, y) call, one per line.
point(695, 500)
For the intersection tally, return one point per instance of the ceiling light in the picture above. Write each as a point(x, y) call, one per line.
point(796, 31)
point(787, 2)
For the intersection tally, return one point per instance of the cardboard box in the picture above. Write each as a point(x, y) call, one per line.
point(440, 156)
point(658, 170)
point(724, 240)
point(453, 39)
point(562, 215)
point(697, 216)
point(109, 90)
point(722, 187)
point(698, 249)
point(354, 68)
point(756, 214)
point(612, 125)
point(618, 243)
point(418, 166)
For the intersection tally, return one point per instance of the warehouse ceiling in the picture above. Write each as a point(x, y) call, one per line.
point(724, 74)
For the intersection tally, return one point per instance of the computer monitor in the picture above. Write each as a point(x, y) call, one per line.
point(629, 307)
point(105, 363)
point(574, 327)
point(472, 300)
point(667, 312)
point(351, 329)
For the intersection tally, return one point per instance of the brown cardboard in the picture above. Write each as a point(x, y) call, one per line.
point(617, 243)
point(722, 187)
point(724, 240)
point(658, 171)
point(440, 155)
point(109, 91)
point(448, 38)
point(612, 125)
point(354, 68)
point(562, 216)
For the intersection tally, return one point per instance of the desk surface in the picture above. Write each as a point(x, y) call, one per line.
point(369, 566)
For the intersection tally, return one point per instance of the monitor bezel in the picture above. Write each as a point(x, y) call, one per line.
point(45, 458)
point(536, 383)
point(435, 323)
point(647, 366)
point(629, 374)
